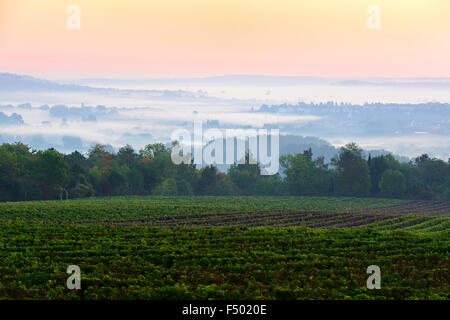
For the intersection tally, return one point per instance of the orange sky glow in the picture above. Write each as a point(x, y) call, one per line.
point(137, 38)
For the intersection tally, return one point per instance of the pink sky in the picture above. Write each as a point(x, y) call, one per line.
point(137, 38)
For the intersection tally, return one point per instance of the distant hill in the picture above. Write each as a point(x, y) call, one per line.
point(270, 80)
point(14, 82)
point(22, 83)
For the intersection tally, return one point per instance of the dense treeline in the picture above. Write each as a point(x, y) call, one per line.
point(31, 175)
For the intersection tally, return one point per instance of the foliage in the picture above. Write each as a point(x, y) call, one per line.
point(219, 263)
point(121, 259)
point(131, 207)
point(392, 184)
point(352, 172)
point(29, 175)
point(305, 176)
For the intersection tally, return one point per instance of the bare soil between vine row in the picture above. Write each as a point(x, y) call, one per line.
point(287, 218)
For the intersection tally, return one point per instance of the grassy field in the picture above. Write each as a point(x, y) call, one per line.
point(225, 248)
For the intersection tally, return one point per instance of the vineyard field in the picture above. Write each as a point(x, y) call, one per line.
point(225, 248)
point(141, 207)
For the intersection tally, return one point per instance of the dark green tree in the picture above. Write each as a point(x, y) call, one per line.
point(305, 176)
point(53, 173)
point(392, 184)
point(353, 177)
